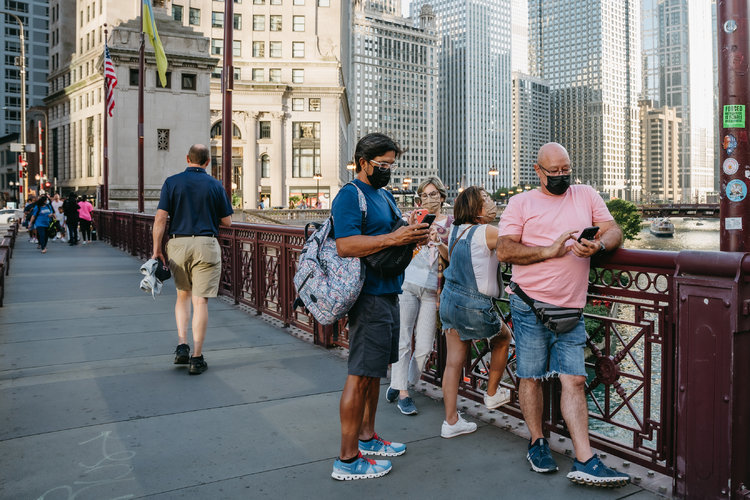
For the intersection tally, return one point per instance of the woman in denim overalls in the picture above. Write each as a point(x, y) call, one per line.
point(466, 305)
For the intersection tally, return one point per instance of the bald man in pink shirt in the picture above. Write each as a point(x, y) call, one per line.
point(538, 235)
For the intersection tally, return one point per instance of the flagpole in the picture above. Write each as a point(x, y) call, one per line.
point(105, 170)
point(227, 84)
point(141, 71)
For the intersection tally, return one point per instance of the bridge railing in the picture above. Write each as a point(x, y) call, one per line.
point(632, 347)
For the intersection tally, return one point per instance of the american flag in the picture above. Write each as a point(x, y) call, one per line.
point(111, 79)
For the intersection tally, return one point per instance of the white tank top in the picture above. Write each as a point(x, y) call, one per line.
point(483, 260)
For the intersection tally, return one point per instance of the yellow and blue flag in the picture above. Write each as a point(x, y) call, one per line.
point(149, 27)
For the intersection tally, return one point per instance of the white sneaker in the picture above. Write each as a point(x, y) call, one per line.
point(460, 427)
point(501, 397)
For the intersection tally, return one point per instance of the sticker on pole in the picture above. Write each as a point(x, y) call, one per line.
point(736, 190)
point(731, 223)
point(729, 143)
point(734, 116)
point(730, 166)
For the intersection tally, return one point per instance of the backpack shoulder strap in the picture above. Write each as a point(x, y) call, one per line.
point(362, 205)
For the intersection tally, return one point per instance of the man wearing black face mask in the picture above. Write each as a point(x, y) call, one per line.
point(553, 268)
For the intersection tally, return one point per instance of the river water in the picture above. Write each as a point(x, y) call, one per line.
point(690, 234)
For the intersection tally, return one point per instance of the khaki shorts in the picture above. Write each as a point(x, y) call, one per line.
point(195, 262)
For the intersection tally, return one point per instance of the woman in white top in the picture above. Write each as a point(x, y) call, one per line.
point(59, 215)
point(466, 308)
point(418, 302)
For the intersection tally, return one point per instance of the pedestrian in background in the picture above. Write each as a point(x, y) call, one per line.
point(41, 216)
point(84, 216)
point(70, 209)
point(197, 205)
point(57, 204)
point(418, 302)
point(466, 305)
point(27, 209)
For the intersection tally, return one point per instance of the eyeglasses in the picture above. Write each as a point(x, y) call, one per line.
point(432, 194)
point(384, 165)
point(561, 171)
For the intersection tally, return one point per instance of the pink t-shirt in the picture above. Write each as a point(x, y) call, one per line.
point(540, 219)
point(84, 210)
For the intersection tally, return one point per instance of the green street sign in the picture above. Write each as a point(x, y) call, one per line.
point(734, 116)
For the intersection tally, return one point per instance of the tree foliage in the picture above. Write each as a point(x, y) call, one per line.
point(627, 216)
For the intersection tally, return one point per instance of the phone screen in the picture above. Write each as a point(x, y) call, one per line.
point(429, 218)
point(589, 233)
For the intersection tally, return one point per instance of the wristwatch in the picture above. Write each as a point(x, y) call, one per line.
point(602, 248)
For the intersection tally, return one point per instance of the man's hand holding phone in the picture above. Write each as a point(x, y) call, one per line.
point(587, 244)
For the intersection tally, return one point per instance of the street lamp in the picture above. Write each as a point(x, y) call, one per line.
point(23, 90)
point(350, 167)
point(493, 175)
point(317, 178)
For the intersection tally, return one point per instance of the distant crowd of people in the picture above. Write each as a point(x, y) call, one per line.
point(57, 219)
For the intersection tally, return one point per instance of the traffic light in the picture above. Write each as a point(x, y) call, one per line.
point(47, 184)
point(21, 162)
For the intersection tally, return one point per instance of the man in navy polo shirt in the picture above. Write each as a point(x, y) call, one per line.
point(196, 204)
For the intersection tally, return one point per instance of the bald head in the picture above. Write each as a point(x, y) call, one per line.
point(551, 150)
point(199, 155)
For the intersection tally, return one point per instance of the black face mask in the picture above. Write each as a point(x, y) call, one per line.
point(380, 177)
point(558, 184)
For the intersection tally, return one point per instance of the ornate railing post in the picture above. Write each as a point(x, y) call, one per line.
point(713, 408)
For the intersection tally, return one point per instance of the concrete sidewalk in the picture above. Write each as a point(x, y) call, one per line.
point(92, 407)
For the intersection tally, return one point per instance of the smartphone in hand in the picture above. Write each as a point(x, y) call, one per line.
point(429, 218)
point(419, 214)
point(589, 233)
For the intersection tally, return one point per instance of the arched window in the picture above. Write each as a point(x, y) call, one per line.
point(265, 166)
point(216, 131)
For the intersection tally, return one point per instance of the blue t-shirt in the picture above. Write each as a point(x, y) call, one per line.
point(195, 201)
point(347, 221)
point(42, 215)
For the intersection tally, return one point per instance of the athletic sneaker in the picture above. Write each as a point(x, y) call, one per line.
point(182, 354)
point(502, 396)
point(378, 446)
point(197, 365)
point(362, 468)
point(460, 427)
point(407, 406)
point(540, 457)
point(594, 473)
point(391, 395)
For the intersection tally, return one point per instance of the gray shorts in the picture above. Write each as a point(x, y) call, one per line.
point(373, 335)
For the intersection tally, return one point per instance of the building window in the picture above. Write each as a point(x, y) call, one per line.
point(259, 2)
point(298, 2)
point(324, 3)
point(314, 104)
point(216, 130)
point(216, 73)
point(238, 21)
point(194, 17)
point(274, 49)
point(217, 19)
point(188, 81)
point(298, 104)
point(298, 49)
point(133, 77)
point(298, 76)
point(217, 46)
point(162, 139)
point(259, 23)
point(265, 130)
point(177, 12)
point(237, 74)
point(236, 48)
point(168, 82)
point(90, 145)
point(275, 2)
point(274, 75)
point(259, 49)
point(257, 74)
point(265, 167)
point(298, 23)
point(305, 149)
point(275, 23)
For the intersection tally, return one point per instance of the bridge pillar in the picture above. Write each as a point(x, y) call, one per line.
point(712, 419)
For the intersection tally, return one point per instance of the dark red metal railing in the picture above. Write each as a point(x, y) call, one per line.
point(631, 361)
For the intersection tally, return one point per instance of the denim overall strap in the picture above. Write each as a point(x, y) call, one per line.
point(460, 270)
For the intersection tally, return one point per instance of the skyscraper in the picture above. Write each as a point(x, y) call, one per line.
point(588, 53)
point(474, 98)
point(660, 152)
point(531, 126)
point(677, 63)
point(394, 83)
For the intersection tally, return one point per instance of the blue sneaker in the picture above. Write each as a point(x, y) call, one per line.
point(377, 446)
point(595, 473)
point(362, 468)
point(407, 406)
point(391, 395)
point(540, 457)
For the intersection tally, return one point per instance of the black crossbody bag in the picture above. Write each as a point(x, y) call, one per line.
point(557, 319)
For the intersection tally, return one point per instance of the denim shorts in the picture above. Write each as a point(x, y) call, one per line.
point(468, 312)
point(541, 353)
point(373, 335)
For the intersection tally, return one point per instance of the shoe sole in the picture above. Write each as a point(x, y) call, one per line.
point(539, 469)
point(198, 371)
point(407, 412)
point(589, 480)
point(354, 477)
point(383, 453)
point(182, 360)
point(497, 405)
point(461, 433)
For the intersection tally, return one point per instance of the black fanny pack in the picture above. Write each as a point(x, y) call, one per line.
point(557, 319)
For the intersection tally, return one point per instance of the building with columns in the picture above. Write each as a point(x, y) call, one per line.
point(660, 153)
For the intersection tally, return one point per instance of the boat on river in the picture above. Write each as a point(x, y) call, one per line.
point(662, 227)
